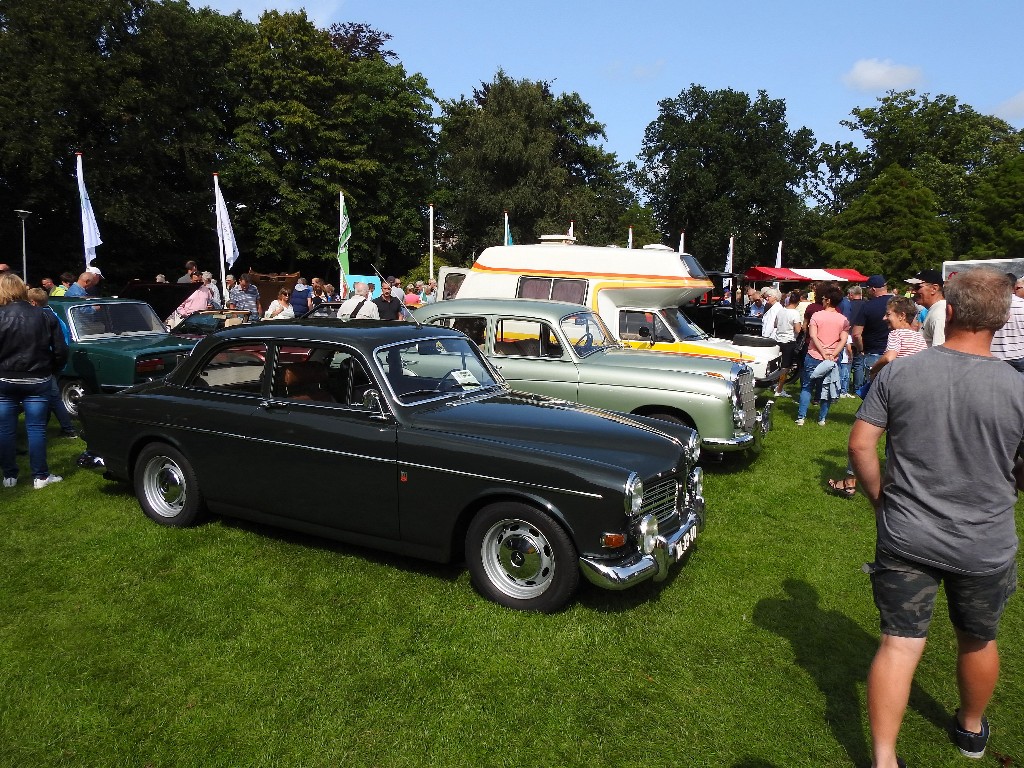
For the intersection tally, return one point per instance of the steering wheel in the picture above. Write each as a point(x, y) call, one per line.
point(586, 341)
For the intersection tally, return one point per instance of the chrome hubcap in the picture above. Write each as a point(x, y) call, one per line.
point(165, 486)
point(518, 558)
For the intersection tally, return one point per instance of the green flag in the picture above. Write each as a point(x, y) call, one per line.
point(345, 234)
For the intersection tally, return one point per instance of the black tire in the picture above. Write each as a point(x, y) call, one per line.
point(166, 487)
point(521, 558)
point(746, 340)
point(71, 393)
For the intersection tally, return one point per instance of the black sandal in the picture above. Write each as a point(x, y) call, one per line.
point(841, 489)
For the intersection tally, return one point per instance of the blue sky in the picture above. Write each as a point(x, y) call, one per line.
point(823, 58)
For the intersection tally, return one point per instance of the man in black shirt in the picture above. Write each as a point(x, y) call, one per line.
point(388, 307)
point(870, 331)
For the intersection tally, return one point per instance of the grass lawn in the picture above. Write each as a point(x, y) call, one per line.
point(123, 643)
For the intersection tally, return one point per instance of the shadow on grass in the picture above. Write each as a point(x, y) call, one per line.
point(753, 762)
point(836, 652)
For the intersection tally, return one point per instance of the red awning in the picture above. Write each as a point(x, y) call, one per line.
point(781, 274)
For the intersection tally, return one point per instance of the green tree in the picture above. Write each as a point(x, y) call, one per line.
point(516, 146)
point(995, 224)
point(715, 164)
point(323, 111)
point(120, 81)
point(946, 144)
point(892, 229)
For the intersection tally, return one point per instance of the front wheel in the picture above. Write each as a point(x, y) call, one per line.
point(521, 558)
point(166, 486)
point(71, 393)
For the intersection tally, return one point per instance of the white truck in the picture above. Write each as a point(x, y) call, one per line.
point(637, 292)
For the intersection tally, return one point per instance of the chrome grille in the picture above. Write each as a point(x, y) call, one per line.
point(661, 499)
point(745, 390)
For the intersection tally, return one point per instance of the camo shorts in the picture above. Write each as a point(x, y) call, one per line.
point(905, 595)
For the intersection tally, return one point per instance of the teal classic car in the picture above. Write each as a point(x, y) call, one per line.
point(115, 343)
point(563, 350)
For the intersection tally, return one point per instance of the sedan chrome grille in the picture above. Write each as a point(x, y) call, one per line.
point(745, 389)
point(661, 499)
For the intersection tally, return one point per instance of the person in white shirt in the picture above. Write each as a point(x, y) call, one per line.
point(360, 306)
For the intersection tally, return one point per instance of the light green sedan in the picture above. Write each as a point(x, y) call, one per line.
point(562, 350)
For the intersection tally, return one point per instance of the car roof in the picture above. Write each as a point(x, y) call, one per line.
point(537, 307)
point(367, 333)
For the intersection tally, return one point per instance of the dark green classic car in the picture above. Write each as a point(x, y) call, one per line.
point(424, 448)
point(115, 343)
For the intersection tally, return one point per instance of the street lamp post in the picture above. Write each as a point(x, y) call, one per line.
point(23, 215)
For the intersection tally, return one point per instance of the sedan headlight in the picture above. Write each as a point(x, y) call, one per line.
point(634, 494)
point(693, 449)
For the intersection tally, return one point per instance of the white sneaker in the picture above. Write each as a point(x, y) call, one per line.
point(799, 422)
point(42, 482)
point(821, 423)
point(783, 393)
point(10, 482)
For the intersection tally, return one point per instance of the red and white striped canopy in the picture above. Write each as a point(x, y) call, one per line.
point(782, 274)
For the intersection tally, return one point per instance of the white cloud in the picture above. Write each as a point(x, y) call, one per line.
point(1012, 109)
point(617, 70)
point(881, 75)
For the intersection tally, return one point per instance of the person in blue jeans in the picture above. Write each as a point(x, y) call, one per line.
point(827, 332)
point(39, 298)
point(32, 350)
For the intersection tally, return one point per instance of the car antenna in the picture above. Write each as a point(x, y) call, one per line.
point(405, 310)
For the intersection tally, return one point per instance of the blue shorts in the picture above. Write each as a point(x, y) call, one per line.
point(905, 596)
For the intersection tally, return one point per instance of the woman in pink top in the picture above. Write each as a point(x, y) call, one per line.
point(828, 332)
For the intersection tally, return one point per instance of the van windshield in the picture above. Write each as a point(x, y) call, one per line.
point(685, 329)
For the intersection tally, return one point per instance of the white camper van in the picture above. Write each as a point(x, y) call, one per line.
point(950, 268)
point(637, 292)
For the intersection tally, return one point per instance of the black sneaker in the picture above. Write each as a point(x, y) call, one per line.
point(970, 744)
point(70, 433)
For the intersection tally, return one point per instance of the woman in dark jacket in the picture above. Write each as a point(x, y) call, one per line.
point(32, 350)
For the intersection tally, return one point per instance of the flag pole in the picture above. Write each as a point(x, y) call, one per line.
point(431, 249)
point(220, 244)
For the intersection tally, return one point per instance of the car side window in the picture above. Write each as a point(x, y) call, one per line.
point(321, 374)
point(632, 320)
point(525, 338)
point(474, 327)
point(237, 369)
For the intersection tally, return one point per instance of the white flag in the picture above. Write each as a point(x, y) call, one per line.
point(727, 281)
point(225, 235)
point(629, 239)
point(571, 225)
point(90, 232)
point(682, 242)
point(778, 257)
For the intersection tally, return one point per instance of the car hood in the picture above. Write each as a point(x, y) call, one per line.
point(541, 424)
point(638, 359)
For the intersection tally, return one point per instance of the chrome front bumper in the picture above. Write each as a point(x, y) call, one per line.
point(753, 439)
point(652, 561)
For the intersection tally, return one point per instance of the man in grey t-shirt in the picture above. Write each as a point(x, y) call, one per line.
point(944, 507)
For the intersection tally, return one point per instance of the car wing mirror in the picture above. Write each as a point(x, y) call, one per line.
point(645, 334)
point(372, 402)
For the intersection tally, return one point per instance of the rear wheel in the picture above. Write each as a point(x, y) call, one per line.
point(71, 393)
point(521, 558)
point(166, 486)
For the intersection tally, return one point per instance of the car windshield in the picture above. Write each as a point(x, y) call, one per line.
point(686, 329)
point(587, 333)
point(427, 369)
point(95, 321)
point(201, 324)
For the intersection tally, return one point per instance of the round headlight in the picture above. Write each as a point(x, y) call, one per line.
point(693, 448)
point(634, 494)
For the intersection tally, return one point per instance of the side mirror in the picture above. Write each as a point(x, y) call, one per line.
point(373, 404)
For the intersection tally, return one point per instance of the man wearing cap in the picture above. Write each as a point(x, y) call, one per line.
point(94, 285)
point(870, 331)
point(927, 288)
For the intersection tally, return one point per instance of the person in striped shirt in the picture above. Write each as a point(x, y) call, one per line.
point(903, 340)
point(1008, 343)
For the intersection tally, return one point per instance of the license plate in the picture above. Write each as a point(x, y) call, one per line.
point(686, 543)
